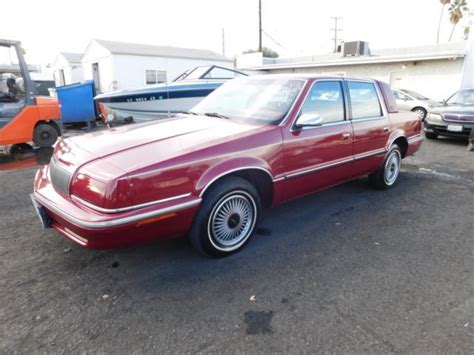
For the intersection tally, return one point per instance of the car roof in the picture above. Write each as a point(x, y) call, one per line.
point(305, 76)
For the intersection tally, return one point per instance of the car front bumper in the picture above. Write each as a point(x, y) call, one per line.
point(96, 230)
point(442, 129)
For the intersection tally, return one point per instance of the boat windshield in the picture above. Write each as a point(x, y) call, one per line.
point(209, 72)
point(265, 100)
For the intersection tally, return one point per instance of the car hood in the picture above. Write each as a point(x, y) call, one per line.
point(132, 147)
point(454, 109)
point(432, 103)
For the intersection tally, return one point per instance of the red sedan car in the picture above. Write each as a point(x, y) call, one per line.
point(255, 142)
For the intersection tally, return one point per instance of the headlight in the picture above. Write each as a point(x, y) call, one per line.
point(435, 118)
point(88, 189)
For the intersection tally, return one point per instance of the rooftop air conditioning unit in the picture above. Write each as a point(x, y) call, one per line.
point(355, 48)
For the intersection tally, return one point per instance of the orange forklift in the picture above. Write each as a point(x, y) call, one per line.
point(24, 117)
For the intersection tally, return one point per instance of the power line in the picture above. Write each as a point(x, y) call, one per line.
point(336, 30)
point(273, 39)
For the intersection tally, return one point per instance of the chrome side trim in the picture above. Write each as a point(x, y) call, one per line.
point(370, 153)
point(129, 208)
point(118, 221)
point(320, 167)
point(415, 137)
point(234, 170)
point(334, 163)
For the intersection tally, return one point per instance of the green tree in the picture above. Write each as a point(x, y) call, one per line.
point(267, 52)
point(444, 3)
point(456, 13)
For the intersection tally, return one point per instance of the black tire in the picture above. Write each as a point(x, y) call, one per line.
point(203, 234)
point(18, 150)
point(380, 178)
point(422, 111)
point(431, 135)
point(45, 135)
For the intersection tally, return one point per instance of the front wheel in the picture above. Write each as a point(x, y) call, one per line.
point(45, 135)
point(227, 217)
point(421, 112)
point(386, 176)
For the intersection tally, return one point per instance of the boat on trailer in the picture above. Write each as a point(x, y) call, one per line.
point(163, 100)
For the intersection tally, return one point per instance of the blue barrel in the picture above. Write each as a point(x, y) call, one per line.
point(77, 102)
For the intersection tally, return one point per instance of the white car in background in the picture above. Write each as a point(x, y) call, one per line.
point(408, 100)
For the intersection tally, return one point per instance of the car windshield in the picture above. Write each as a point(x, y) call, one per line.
point(415, 95)
point(265, 100)
point(463, 97)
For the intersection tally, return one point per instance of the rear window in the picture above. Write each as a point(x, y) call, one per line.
point(364, 100)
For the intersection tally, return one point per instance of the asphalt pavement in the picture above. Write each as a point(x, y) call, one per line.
point(346, 270)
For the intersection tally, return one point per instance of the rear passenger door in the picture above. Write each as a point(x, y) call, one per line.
point(370, 124)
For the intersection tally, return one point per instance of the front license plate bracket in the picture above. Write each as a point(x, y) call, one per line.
point(41, 213)
point(454, 128)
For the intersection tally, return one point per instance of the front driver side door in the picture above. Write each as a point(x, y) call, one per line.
point(320, 156)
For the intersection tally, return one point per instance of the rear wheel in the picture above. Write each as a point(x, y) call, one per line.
point(227, 217)
point(45, 135)
point(386, 176)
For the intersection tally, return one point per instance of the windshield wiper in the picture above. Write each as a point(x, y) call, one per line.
point(216, 114)
point(189, 113)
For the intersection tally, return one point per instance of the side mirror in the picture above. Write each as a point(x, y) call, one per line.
point(443, 102)
point(309, 120)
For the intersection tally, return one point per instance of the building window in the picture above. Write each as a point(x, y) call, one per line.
point(155, 77)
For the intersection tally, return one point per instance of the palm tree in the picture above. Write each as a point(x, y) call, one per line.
point(456, 13)
point(444, 3)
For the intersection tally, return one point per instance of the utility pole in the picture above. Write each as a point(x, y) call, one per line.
point(336, 30)
point(260, 47)
point(223, 41)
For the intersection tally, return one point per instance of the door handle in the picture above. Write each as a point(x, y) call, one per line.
point(346, 135)
point(385, 129)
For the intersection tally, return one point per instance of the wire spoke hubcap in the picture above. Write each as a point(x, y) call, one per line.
point(232, 220)
point(392, 167)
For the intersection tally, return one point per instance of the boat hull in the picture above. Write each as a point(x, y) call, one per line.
point(154, 103)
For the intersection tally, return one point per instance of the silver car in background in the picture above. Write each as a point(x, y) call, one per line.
point(408, 100)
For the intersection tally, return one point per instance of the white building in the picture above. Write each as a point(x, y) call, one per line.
point(118, 65)
point(67, 69)
point(435, 71)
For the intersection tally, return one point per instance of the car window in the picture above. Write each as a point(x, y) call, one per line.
point(326, 100)
point(398, 95)
point(364, 100)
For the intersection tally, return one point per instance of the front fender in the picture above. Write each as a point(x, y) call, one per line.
point(223, 168)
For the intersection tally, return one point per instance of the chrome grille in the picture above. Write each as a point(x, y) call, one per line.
point(59, 177)
point(458, 118)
